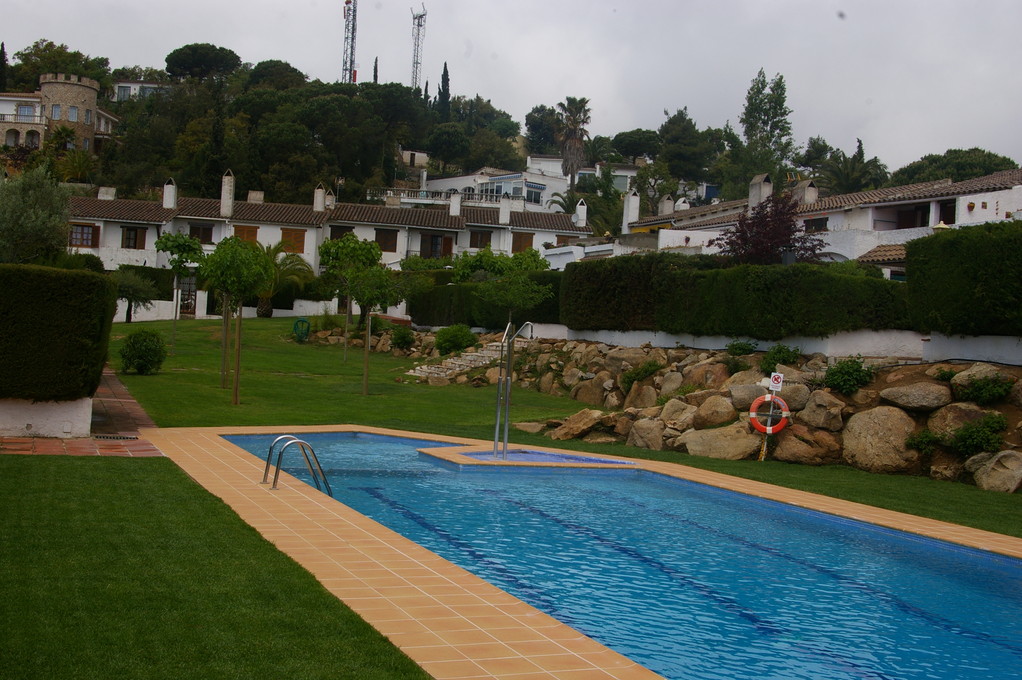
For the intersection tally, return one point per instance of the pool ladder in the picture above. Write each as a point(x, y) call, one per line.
point(507, 367)
point(311, 462)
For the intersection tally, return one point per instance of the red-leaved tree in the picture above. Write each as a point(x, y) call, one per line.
point(762, 235)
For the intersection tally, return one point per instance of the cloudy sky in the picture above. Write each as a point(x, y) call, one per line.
point(908, 77)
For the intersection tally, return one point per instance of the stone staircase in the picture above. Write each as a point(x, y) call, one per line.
point(464, 362)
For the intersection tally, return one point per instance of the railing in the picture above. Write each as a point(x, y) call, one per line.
point(311, 462)
point(438, 196)
point(21, 118)
point(507, 367)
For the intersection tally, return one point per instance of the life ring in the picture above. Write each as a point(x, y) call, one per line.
point(773, 428)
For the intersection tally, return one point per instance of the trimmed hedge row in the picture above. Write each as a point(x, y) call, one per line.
point(163, 279)
point(446, 304)
point(56, 332)
point(967, 281)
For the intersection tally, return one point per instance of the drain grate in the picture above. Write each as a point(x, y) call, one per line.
point(114, 436)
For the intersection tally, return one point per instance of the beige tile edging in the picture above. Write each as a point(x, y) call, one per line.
point(452, 623)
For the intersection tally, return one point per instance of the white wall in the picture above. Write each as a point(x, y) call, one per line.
point(63, 419)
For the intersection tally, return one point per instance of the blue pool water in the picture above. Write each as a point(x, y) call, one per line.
point(525, 456)
point(692, 581)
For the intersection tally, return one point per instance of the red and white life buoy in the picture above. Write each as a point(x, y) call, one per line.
point(773, 427)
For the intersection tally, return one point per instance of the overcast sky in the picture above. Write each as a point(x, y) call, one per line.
point(908, 77)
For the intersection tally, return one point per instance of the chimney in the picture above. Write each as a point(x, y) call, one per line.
point(759, 190)
point(455, 197)
point(666, 206)
point(256, 196)
point(631, 211)
point(331, 200)
point(581, 213)
point(422, 179)
point(319, 199)
point(227, 195)
point(504, 216)
point(805, 192)
point(170, 195)
point(107, 193)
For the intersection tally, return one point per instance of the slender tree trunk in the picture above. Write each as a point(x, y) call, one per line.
point(347, 324)
point(365, 357)
point(177, 305)
point(237, 356)
point(225, 340)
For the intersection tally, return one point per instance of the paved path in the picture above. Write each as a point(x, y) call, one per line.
point(116, 420)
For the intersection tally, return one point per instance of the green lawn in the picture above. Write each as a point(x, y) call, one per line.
point(125, 568)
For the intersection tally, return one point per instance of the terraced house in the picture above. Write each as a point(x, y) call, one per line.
point(63, 102)
point(123, 231)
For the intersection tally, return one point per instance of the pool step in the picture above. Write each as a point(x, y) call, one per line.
point(463, 363)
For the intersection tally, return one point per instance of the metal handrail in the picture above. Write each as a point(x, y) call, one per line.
point(311, 462)
point(504, 386)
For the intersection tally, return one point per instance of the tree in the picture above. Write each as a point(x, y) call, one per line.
point(184, 251)
point(816, 152)
point(77, 165)
point(137, 291)
point(486, 148)
point(44, 56)
point(202, 61)
point(541, 130)
point(513, 292)
point(33, 218)
point(573, 116)
point(653, 182)
point(765, 117)
point(443, 97)
point(636, 143)
point(3, 67)
point(762, 236)
point(843, 174)
point(236, 271)
point(276, 75)
point(956, 164)
point(342, 259)
point(687, 152)
point(449, 144)
point(288, 271)
point(601, 149)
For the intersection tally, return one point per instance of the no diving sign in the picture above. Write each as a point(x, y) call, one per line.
point(776, 382)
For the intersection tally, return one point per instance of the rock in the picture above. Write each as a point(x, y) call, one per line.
point(623, 424)
point(743, 394)
point(531, 428)
point(384, 343)
point(671, 382)
point(706, 374)
point(697, 398)
point(614, 400)
point(547, 382)
point(600, 438)
point(799, 444)
point(616, 358)
point(944, 421)
point(675, 410)
point(1003, 472)
point(751, 376)
point(647, 433)
point(641, 396)
point(865, 397)
point(437, 381)
point(979, 460)
point(979, 371)
point(571, 376)
point(589, 392)
point(716, 410)
point(945, 466)
point(921, 397)
point(795, 395)
point(823, 411)
point(461, 379)
point(492, 375)
point(815, 362)
point(734, 442)
point(1015, 396)
point(790, 373)
point(577, 425)
point(874, 440)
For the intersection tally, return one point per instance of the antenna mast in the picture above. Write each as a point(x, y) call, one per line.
point(418, 32)
point(348, 67)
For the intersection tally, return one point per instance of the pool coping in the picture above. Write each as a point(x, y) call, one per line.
point(455, 625)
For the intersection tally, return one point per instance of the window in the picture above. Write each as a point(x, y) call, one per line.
point(88, 116)
point(202, 232)
point(294, 240)
point(133, 238)
point(72, 114)
point(387, 238)
point(246, 233)
point(479, 239)
point(815, 225)
point(85, 143)
point(521, 241)
point(55, 112)
point(534, 196)
point(337, 232)
point(565, 240)
point(123, 93)
point(26, 113)
point(84, 236)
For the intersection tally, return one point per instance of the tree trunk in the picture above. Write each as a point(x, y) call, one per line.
point(365, 357)
point(264, 309)
point(237, 356)
point(177, 304)
point(225, 341)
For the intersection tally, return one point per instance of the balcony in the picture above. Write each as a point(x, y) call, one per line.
point(426, 197)
point(22, 118)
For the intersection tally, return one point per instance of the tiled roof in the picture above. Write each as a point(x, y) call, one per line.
point(268, 213)
point(523, 220)
point(120, 209)
point(886, 254)
point(396, 217)
point(683, 219)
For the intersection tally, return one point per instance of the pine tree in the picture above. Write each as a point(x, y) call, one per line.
point(443, 97)
point(3, 68)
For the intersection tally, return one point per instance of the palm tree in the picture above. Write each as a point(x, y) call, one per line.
point(843, 174)
point(288, 270)
point(573, 115)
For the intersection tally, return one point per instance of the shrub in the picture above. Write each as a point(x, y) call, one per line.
point(779, 354)
point(737, 348)
point(924, 441)
point(402, 337)
point(640, 372)
point(848, 375)
point(984, 390)
point(735, 365)
point(454, 338)
point(946, 374)
point(143, 351)
point(981, 435)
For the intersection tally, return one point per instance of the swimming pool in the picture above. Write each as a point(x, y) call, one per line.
point(656, 569)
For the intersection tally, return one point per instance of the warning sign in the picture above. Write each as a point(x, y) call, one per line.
point(776, 381)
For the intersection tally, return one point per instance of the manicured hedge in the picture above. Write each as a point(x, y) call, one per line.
point(56, 330)
point(162, 278)
point(454, 303)
point(967, 281)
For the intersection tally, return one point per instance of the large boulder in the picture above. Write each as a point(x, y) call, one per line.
point(743, 394)
point(710, 374)
point(945, 466)
point(922, 397)
point(671, 382)
point(750, 376)
point(678, 414)
point(716, 410)
point(978, 371)
point(1003, 472)
point(799, 444)
point(641, 395)
point(589, 392)
point(647, 433)
point(795, 395)
point(571, 376)
point(618, 357)
point(734, 442)
point(577, 425)
point(822, 410)
point(874, 440)
point(944, 421)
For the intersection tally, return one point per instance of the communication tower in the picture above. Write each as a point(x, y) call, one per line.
point(418, 32)
point(348, 66)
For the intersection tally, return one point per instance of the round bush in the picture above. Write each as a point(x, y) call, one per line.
point(454, 338)
point(143, 351)
point(848, 375)
point(402, 337)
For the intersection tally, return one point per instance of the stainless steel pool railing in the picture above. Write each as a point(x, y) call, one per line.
point(504, 380)
point(311, 462)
